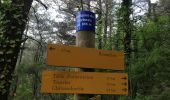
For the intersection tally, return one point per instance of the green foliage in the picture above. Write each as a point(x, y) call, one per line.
point(155, 34)
point(165, 95)
point(142, 97)
point(150, 71)
point(6, 1)
point(24, 88)
point(28, 78)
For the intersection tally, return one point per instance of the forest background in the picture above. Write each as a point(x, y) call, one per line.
point(140, 28)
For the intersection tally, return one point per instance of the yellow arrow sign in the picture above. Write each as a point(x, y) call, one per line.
point(84, 83)
point(60, 55)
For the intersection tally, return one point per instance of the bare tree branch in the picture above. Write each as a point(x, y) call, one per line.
point(35, 14)
point(29, 37)
point(39, 1)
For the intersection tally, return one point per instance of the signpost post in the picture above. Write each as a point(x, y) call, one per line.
point(85, 28)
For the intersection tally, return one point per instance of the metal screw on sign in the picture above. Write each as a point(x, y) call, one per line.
point(51, 48)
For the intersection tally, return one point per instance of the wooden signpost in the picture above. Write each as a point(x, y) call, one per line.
point(88, 57)
point(60, 55)
point(84, 83)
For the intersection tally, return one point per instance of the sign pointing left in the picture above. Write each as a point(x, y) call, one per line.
point(61, 55)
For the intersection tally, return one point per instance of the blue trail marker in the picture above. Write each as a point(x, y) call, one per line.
point(85, 21)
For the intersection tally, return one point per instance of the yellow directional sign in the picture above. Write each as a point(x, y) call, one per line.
point(60, 55)
point(84, 83)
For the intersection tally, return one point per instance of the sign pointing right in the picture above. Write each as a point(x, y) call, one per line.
point(84, 83)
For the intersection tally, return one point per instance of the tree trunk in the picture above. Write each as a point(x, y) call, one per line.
point(12, 27)
point(149, 8)
point(88, 5)
point(127, 28)
point(111, 24)
point(99, 19)
point(106, 23)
